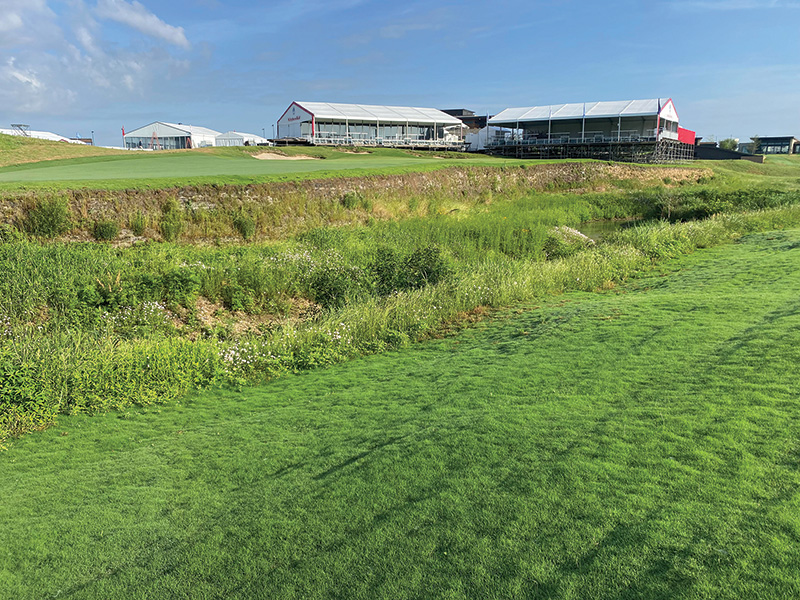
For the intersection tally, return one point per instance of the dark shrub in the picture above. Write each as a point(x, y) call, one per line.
point(48, 218)
point(245, 225)
point(387, 268)
point(425, 266)
point(333, 285)
point(351, 200)
point(104, 231)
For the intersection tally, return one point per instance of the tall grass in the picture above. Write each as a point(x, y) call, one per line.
point(88, 327)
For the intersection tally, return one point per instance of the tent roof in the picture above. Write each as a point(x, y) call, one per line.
point(192, 129)
point(383, 114)
point(170, 129)
point(592, 110)
point(42, 135)
point(235, 135)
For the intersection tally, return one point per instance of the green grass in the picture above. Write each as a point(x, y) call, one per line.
point(15, 150)
point(777, 171)
point(219, 166)
point(635, 444)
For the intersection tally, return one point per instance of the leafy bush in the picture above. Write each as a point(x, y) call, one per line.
point(562, 242)
point(387, 268)
point(334, 284)
point(425, 266)
point(245, 225)
point(104, 231)
point(48, 218)
point(351, 200)
point(181, 286)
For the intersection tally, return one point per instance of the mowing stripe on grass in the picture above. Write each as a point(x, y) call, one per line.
point(636, 444)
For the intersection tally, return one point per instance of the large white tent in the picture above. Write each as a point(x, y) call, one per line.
point(594, 120)
point(238, 138)
point(170, 136)
point(325, 122)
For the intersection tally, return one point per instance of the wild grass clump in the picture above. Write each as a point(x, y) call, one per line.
point(48, 217)
point(172, 222)
point(9, 233)
point(138, 223)
point(105, 231)
point(245, 224)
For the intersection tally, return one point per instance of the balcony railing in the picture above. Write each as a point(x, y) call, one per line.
point(324, 139)
point(512, 140)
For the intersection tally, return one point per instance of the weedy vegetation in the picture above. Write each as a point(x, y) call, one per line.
point(89, 327)
point(638, 441)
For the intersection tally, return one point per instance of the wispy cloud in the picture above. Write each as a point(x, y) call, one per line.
point(135, 15)
point(58, 60)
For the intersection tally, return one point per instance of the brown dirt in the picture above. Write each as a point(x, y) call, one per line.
point(238, 323)
point(287, 208)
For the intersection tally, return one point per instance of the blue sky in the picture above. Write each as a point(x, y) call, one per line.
point(73, 66)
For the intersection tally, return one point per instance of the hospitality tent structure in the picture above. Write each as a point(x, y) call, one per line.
point(161, 135)
point(324, 123)
point(238, 138)
point(635, 130)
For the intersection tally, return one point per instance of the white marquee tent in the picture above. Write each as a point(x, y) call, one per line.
point(319, 122)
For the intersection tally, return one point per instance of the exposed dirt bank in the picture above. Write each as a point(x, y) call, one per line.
point(284, 208)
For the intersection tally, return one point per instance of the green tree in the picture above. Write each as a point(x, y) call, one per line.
point(729, 144)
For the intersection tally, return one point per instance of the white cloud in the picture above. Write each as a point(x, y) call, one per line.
point(64, 63)
point(136, 16)
point(9, 22)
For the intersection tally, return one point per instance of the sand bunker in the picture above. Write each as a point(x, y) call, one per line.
point(273, 156)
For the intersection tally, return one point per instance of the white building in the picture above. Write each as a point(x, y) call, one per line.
point(323, 123)
point(238, 138)
point(170, 136)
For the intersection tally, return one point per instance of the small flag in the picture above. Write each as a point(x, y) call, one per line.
point(123, 132)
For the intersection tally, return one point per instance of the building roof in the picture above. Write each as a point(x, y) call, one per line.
point(777, 138)
point(192, 129)
point(593, 110)
point(42, 135)
point(237, 135)
point(162, 127)
point(382, 114)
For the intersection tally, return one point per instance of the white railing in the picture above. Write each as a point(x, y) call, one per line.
point(595, 139)
point(324, 139)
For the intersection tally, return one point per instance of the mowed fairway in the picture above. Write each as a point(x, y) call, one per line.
point(641, 443)
point(221, 165)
